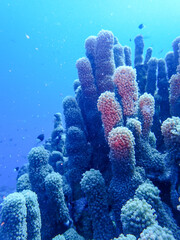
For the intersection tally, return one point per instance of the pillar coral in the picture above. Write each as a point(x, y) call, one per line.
point(90, 46)
point(104, 61)
point(171, 131)
point(125, 80)
point(174, 95)
point(86, 78)
point(121, 142)
point(178, 66)
point(125, 176)
point(110, 109)
point(146, 108)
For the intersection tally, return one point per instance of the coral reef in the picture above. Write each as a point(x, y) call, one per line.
point(156, 232)
point(20, 218)
point(93, 185)
point(110, 109)
point(113, 172)
point(136, 215)
point(125, 80)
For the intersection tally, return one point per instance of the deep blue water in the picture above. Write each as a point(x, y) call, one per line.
point(40, 42)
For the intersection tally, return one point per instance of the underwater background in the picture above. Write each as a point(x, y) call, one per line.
point(40, 42)
point(101, 171)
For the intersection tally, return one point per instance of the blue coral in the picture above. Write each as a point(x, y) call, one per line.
point(127, 237)
point(137, 215)
point(70, 234)
point(23, 183)
point(54, 191)
point(72, 113)
point(150, 193)
point(93, 185)
point(156, 232)
point(33, 217)
point(13, 218)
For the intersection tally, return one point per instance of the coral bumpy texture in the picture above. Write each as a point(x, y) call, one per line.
point(113, 172)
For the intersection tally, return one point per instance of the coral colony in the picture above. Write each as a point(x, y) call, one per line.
point(114, 171)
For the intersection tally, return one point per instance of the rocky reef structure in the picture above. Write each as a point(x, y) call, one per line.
point(114, 171)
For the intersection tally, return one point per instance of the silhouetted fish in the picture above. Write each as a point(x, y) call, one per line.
point(141, 26)
point(161, 51)
point(41, 137)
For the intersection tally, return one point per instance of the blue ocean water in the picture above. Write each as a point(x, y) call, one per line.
point(40, 42)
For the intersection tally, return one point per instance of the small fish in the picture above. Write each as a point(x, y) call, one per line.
point(161, 51)
point(141, 26)
point(27, 36)
point(13, 41)
point(40, 137)
point(130, 40)
point(67, 223)
point(16, 169)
